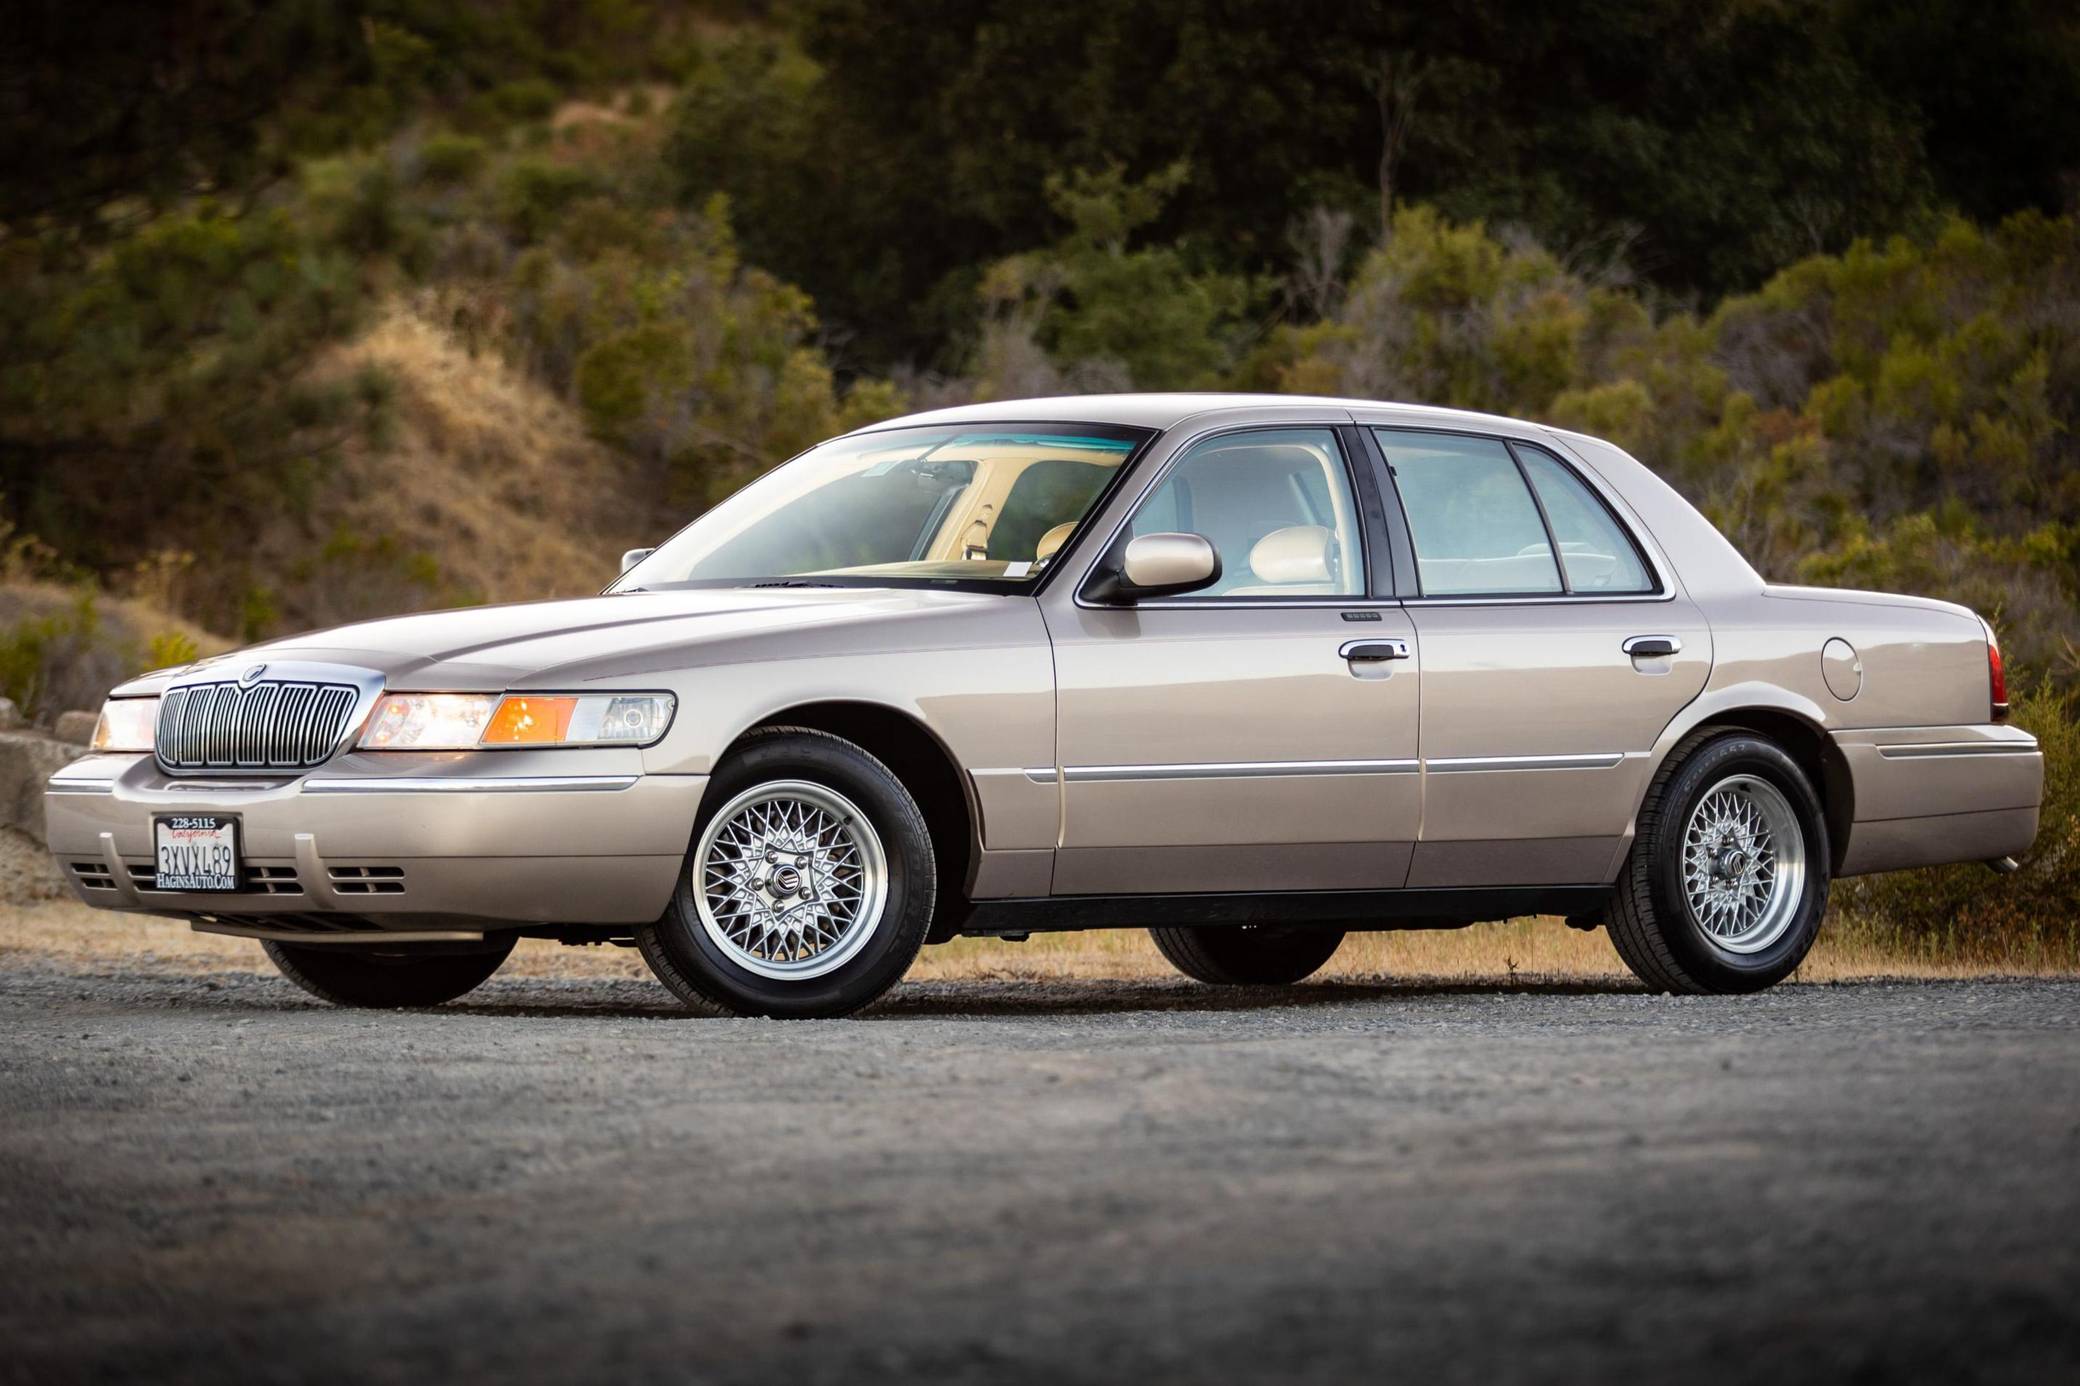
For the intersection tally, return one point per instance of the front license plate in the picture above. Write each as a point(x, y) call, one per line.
point(195, 851)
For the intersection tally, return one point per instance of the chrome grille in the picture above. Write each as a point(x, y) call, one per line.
point(275, 724)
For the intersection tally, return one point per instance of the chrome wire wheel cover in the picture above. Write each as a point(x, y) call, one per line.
point(1744, 864)
point(790, 880)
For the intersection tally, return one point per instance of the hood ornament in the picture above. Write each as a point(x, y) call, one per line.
point(252, 675)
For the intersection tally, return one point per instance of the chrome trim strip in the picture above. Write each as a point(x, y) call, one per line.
point(1459, 765)
point(56, 785)
point(1925, 750)
point(361, 937)
point(473, 784)
point(1041, 774)
point(1235, 770)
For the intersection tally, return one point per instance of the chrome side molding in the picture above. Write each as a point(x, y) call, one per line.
point(1924, 750)
point(472, 784)
point(1460, 765)
point(1276, 769)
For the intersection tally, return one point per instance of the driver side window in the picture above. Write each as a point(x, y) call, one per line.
point(1277, 506)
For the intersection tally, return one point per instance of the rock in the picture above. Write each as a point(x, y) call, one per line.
point(26, 761)
point(11, 718)
point(76, 727)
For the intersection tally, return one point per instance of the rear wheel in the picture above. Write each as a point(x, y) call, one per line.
point(386, 979)
point(809, 888)
point(1246, 955)
point(1728, 875)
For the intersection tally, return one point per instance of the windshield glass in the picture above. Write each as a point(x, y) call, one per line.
point(991, 504)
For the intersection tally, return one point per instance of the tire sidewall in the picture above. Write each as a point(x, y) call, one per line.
point(906, 911)
point(1683, 935)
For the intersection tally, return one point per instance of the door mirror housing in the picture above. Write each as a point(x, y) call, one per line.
point(631, 557)
point(1156, 565)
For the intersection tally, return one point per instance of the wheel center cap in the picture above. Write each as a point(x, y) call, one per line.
point(1729, 863)
point(785, 880)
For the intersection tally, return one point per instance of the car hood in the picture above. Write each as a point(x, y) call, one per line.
point(567, 643)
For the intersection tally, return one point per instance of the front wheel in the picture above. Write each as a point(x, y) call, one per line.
point(386, 979)
point(1246, 955)
point(1728, 875)
point(809, 889)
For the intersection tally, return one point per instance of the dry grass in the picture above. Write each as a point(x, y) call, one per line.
point(68, 934)
point(485, 475)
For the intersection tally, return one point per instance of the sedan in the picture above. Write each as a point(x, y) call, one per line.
point(1252, 672)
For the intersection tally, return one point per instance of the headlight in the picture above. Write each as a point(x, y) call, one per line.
point(126, 724)
point(468, 721)
point(428, 721)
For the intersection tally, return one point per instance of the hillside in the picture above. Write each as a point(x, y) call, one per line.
point(482, 486)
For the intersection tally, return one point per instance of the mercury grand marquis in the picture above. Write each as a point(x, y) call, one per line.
point(1249, 671)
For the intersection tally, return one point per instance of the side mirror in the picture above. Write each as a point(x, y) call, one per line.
point(633, 557)
point(1157, 565)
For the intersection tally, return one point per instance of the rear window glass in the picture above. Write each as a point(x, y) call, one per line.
point(1475, 527)
point(1593, 548)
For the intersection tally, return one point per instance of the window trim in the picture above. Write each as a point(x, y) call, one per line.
point(1545, 521)
point(1661, 591)
point(1364, 517)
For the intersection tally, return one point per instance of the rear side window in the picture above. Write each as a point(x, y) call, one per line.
point(1475, 527)
point(1595, 551)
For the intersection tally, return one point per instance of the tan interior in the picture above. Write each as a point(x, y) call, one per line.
point(1298, 560)
point(965, 534)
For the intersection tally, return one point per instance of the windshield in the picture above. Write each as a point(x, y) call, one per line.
point(988, 504)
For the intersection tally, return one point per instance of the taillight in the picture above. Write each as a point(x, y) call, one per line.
point(1996, 676)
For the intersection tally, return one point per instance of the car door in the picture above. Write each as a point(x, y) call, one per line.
point(1259, 734)
point(1556, 647)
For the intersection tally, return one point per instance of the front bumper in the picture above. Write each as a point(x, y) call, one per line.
point(463, 842)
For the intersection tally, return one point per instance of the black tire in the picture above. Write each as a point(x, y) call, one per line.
point(386, 980)
point(1651, 923)
point(1246, 955)
point(705, 975)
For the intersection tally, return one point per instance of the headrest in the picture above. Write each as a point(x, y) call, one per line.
point(1297, 553)
point(1053, 539)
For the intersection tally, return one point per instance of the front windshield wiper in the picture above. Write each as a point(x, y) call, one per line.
point(794, 582)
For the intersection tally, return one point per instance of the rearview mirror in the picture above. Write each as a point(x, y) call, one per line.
point(632, 557)
point(1157, 565)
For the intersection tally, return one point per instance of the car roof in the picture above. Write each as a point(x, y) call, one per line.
point(1167, 410)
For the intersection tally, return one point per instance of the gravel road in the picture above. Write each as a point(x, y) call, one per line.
point(208, 1178)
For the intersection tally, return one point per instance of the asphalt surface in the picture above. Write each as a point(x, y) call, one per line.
point(213, 1179)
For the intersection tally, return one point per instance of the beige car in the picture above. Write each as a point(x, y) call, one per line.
point(1250, 671)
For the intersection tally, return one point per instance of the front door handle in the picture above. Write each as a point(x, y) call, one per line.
point(1643, 646)
point(1373, 651)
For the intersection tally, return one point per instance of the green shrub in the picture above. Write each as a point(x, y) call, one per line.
point(526, 98)
point(449, 159)
point(171, 648)
point(534, 192)
point(61, 660)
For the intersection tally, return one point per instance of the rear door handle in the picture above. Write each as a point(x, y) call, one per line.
point(1645, 645)
point(1373, 651)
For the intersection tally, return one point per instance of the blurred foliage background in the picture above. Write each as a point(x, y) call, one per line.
point(310, 311)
